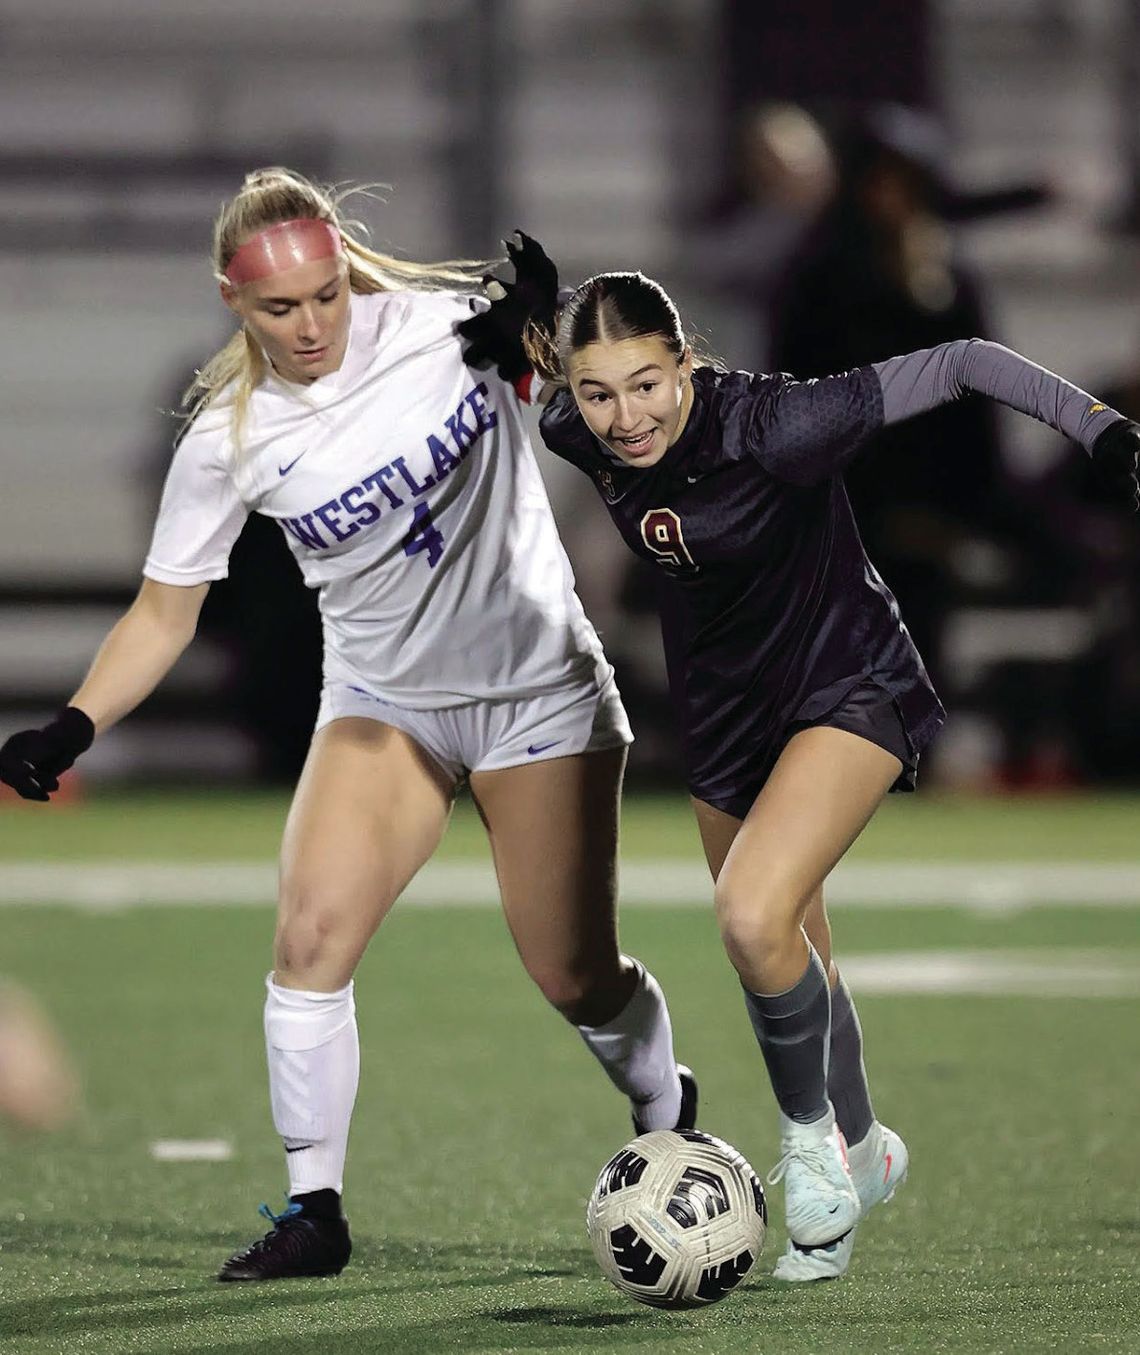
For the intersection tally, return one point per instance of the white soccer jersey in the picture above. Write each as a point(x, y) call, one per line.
point(409, 495)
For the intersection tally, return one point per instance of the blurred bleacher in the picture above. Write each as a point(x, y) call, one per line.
point(591, 124)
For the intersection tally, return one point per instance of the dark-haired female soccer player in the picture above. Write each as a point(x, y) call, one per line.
point(801, 696)
point(454, 648)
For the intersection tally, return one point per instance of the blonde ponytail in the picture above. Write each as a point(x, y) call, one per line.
point(275, 194)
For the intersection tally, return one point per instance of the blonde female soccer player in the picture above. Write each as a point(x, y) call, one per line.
point(454, 646)
point(801, 698)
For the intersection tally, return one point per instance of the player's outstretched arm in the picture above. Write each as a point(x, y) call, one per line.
point(811, 429)
point(916, 382)
point(919, 381)
point(140, 649)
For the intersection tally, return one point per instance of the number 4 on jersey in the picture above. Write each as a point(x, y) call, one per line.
point(423, 534)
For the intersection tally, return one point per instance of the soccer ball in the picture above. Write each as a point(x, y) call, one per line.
point(677, 1218)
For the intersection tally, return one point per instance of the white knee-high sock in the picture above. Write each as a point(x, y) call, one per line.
point(314, 1068)
point(636, 1050)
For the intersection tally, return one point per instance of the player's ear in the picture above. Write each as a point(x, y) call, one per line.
point(229, 296)
point(686, 363)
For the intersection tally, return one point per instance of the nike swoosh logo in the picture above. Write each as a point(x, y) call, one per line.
point(542, 747)
point(692, 479)
point(833, 1210)
point(300, 1148)
point(887, 1169)
point(284, 470)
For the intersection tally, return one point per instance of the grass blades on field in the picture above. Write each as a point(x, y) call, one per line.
point(180, 825)
point(482, 1122)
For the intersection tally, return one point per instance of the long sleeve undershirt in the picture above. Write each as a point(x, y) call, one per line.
point(916, 382)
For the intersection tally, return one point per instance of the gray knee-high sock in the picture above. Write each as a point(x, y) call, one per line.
point(846, 1076)
point(792, 1029)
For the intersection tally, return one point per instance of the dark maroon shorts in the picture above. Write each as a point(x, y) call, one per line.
point(868, 711)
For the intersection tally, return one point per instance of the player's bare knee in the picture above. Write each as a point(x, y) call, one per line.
point(565, 990)
point(582, 997)
point(309, 940)
point(754, 949)
point(756, 925)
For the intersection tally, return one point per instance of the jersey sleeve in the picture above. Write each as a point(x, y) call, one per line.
point(199, 518)
point(427, 320)
point(920, 381)
point(803, 432)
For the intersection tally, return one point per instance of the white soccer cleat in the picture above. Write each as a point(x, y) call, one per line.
point(878, 1165)
point(798, 1265)
point(820, 1201)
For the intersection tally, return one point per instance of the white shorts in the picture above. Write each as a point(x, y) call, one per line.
point(484, 736)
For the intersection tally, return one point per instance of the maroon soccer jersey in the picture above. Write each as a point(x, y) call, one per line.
point(771, 612)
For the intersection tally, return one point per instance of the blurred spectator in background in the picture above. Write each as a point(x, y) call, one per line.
point(878, 276)
point(783, 177)
point(38, 1088)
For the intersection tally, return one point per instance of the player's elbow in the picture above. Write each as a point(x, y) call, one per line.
point(168, 613)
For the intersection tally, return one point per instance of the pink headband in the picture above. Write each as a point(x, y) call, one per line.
point(283, 246)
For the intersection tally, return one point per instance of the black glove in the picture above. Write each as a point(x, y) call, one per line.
point(495, 335)
point(1114, 461)
point(32, 761)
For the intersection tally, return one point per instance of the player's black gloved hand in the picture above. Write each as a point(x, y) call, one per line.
point(1115, 454)
point(32, 761)
point(495, 335)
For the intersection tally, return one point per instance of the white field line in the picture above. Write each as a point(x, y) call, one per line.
point(997, 973)
point(191, 1150)
point(989, 887)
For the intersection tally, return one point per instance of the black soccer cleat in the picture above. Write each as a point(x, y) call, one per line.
point(687, 1119)
point(299, 1244)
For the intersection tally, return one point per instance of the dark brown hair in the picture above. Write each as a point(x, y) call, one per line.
point(607, 308)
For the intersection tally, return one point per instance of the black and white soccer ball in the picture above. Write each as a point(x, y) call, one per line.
point(677, 1218)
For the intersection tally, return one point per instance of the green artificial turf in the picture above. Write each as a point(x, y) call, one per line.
point(482, 1122)
point(222, 825)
